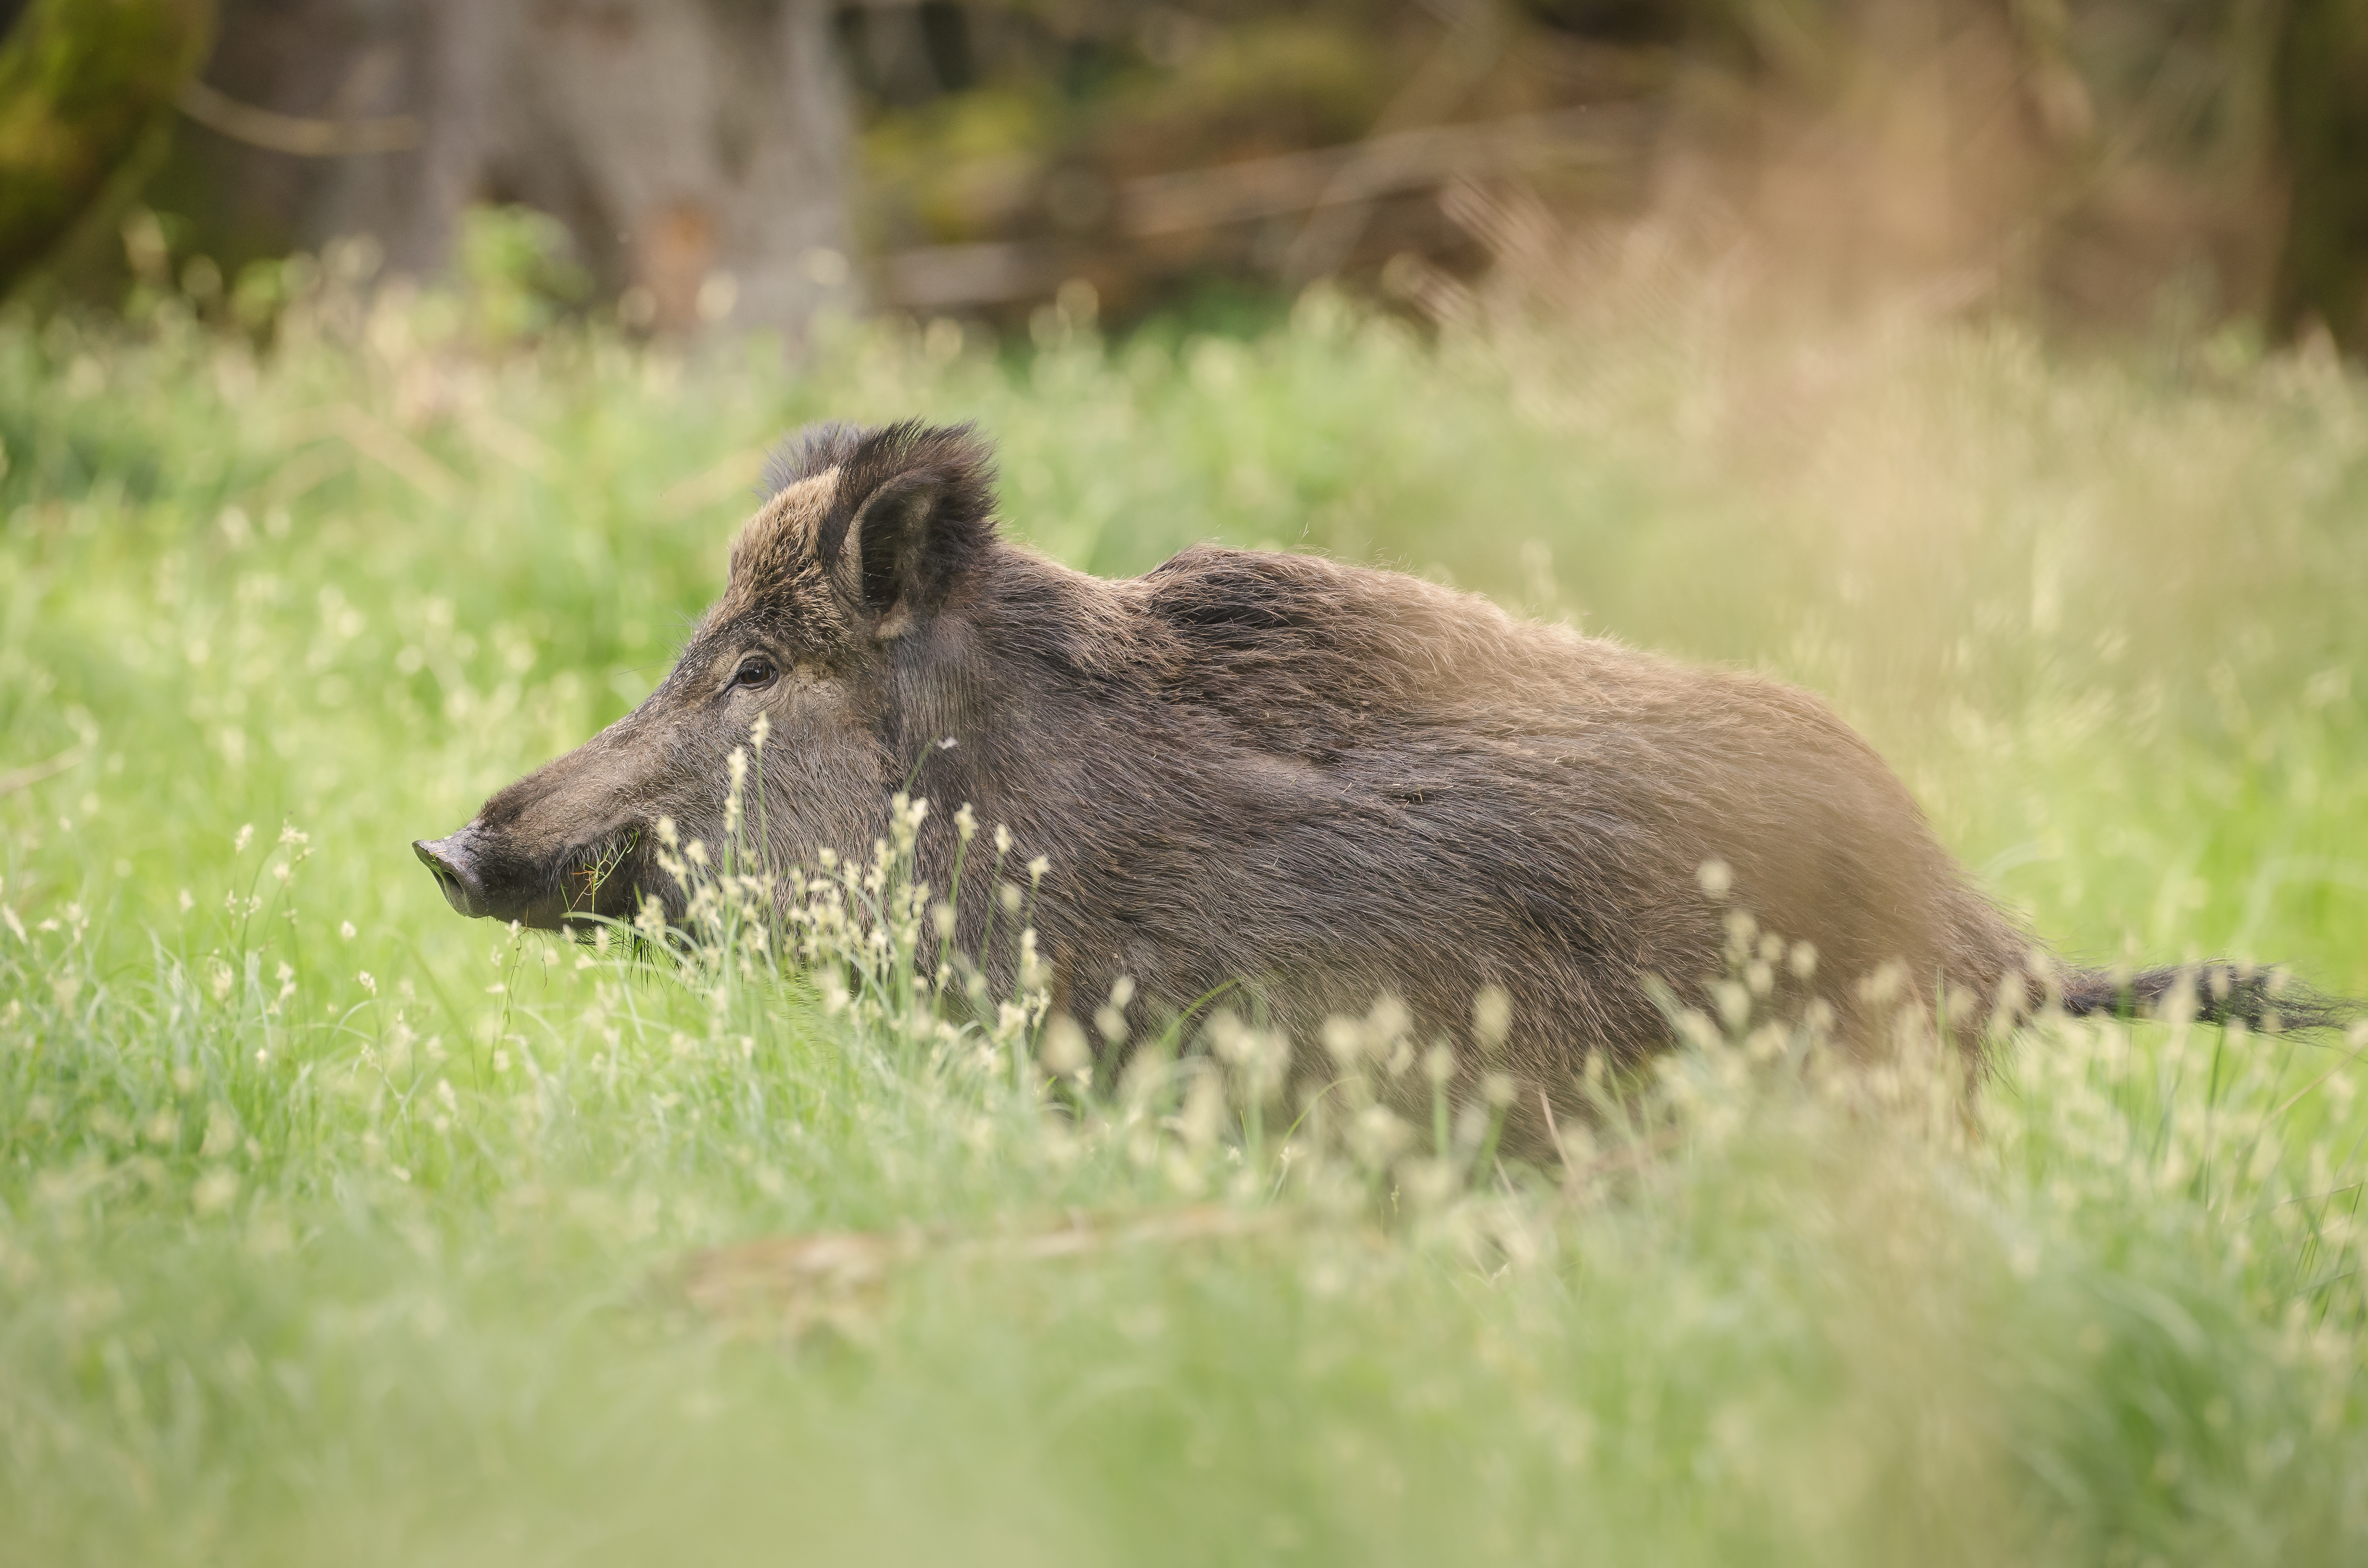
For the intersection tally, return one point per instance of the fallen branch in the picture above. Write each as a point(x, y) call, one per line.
point(297, 135)
point(794, 1283)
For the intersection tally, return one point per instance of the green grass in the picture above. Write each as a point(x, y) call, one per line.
point(334, 1228)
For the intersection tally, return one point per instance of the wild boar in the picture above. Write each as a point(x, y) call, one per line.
point(1320, 783)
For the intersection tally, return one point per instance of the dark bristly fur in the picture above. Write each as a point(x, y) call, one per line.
point(1316, 782)
point(815, 450)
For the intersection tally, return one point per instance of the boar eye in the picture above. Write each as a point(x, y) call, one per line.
point(756, 670)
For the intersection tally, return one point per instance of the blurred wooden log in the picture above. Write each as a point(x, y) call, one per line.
point(81, 82)
point(950, 277)
point(1383, 165)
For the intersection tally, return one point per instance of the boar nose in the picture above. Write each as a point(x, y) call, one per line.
point(456, 873)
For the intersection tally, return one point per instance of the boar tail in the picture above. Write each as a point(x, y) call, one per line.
point(2262, 998)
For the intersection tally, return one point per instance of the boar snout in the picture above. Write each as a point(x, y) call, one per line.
point(455, 871)
point(484, 869)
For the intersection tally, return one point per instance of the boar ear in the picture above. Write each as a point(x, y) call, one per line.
point(917, 503)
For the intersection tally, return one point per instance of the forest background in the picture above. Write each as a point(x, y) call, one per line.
point(750, 162)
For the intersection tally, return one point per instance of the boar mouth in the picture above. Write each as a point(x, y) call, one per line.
point(574, 890)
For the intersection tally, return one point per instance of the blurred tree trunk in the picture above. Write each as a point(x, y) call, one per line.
point(697, 149)
point(80, 81)
point(2321, 105)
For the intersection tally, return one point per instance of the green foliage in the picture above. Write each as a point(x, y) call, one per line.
point(80, 81)
point(519, 274)
point(333, 1227)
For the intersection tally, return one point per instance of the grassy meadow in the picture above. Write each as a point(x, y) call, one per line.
point(334, 1228)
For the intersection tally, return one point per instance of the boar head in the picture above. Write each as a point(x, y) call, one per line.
point(865, 536)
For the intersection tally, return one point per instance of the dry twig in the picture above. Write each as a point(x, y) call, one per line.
point(791, 1284)
point(297, 135)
